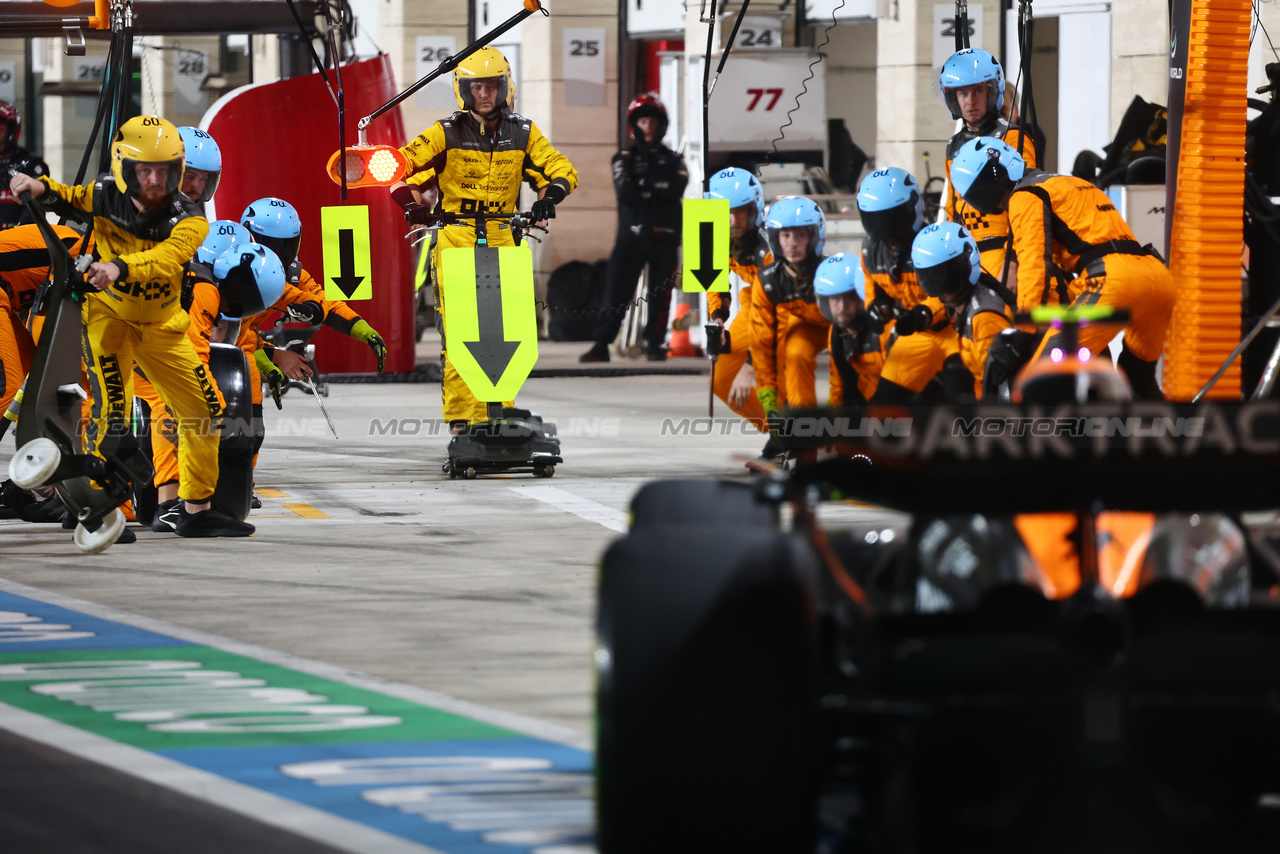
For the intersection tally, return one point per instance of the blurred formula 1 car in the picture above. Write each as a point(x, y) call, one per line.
point(976, 675)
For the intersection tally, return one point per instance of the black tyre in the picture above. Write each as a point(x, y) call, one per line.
point(700, 501)
point(706, 693)
point(234, 493)
point(144, 494)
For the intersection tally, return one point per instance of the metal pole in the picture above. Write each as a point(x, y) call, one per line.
point(706, 100)
point(451, 63)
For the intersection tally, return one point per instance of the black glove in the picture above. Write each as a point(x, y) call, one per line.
point(417, 214)
point(1010, 350)
point(309, 312)
point(379, 348)
point(916, 320)
point(957, 381)
point(775, 422)
point(880, 312)
point(545, 207)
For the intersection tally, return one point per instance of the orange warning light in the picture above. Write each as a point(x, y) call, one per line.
point(369, 166)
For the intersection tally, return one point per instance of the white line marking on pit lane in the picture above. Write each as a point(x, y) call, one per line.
point(203, 786)
point(583, 508)
point(443, 702)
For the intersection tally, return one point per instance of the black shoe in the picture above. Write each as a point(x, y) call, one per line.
point(255, 503)
point(656, 354)
point(68, 521)
point(598, 353)
point(166, 518)
point(771, 450)
point(48, 510)
point(210, 523)
point(126, 537)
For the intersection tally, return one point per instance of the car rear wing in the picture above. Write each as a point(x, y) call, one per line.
point(1081, 458)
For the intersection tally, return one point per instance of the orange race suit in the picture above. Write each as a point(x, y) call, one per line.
point(480, 169)
point(990, 230)
point(747, 257)
point(857, 358)
point(982, 317)
point(912, 360)
point(24, 267)
point(788, 333)
point(1063, 226)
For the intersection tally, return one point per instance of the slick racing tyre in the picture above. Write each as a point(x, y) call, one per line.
point(706, 693)
point(234, 492)
point(700, 501)
point(145, 495)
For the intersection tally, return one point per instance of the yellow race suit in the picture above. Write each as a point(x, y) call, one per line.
point(138, 318)
point(479, 169)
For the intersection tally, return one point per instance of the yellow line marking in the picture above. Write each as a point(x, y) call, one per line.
point(860, 504)
point(306, 511)
point(268, 492)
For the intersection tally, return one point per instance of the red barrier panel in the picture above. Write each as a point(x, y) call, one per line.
point(276, 139)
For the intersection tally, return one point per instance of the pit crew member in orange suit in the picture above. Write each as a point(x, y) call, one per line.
point(1062, 226)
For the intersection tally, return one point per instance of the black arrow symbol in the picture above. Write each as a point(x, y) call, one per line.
point(707, 272)
point(347, 281)
point(493, 352)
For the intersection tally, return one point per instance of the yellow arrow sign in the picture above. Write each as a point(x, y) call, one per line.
point(348, 266)
point(706, 245)
point(491, 323)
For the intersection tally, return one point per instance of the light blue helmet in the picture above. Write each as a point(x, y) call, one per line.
point(946, 259)
point(740, 187)
point(223, 234)
point(250, 279)
point(985, 171)
point(891, 205)
point(796, 212)
point(836, 276)
point(202, 153)
point(275, 224)
point(967, 67)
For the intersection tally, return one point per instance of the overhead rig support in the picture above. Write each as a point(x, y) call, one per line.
point(366, 165)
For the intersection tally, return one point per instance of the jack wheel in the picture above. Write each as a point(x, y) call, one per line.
point(471, 473)
point(546, 471)
point(34, 463)
point(92, 542)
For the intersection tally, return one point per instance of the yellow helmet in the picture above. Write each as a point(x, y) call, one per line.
point(488, 63)
point(146, 139)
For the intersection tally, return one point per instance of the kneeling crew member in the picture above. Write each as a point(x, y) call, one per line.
point(789, 330)
point(857, 356)
point(948, 267)
point(1063, 225)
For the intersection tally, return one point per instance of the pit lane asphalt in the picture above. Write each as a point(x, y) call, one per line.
point(368, 558)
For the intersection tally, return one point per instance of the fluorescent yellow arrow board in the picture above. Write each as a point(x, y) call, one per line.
point(348, 267)
point(706, 245)
point(490, 321)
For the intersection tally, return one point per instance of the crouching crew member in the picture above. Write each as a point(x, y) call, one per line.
point(948, 267)
point(1073, 248)
point(857, 356)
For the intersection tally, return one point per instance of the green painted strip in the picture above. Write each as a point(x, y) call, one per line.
point(195, 696)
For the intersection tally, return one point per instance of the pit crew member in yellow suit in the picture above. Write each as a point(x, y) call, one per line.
point(144, 232)
point(480, 155)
